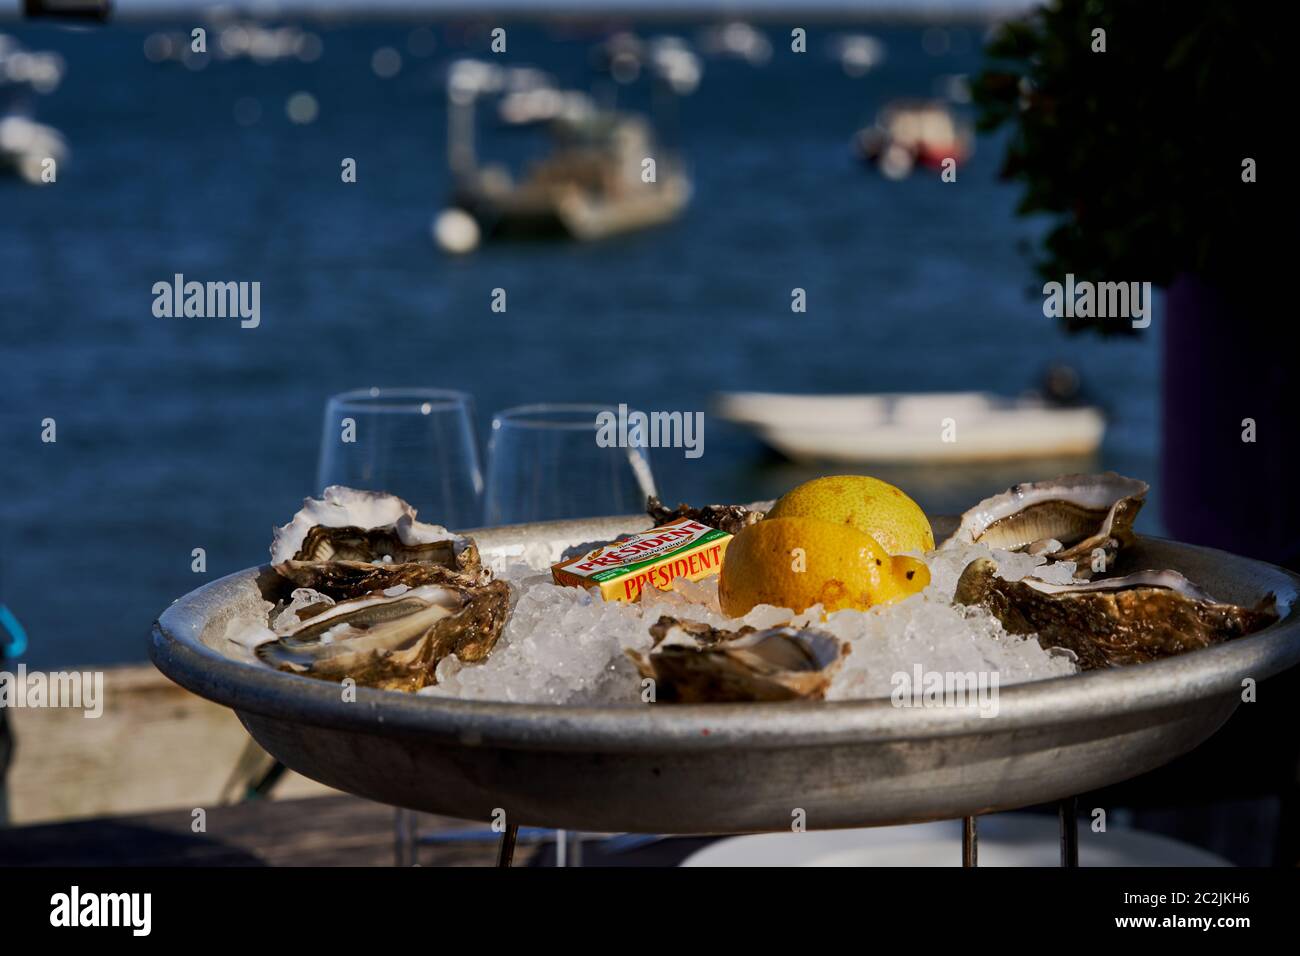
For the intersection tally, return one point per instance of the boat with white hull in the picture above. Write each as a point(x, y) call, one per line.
point(914, 427)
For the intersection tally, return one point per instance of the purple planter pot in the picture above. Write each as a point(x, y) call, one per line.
point(1225, 361)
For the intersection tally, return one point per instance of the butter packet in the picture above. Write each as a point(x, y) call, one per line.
point(679, 549)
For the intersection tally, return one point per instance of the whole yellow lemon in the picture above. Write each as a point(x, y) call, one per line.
point(799, 562)
point(872, 506)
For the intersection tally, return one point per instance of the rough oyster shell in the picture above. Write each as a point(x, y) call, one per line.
point(390, 640)
point(355, 578)
point(352, 542)
point(1126, 620)
point(1065, 518)
point(728, 518)
point(695, 663)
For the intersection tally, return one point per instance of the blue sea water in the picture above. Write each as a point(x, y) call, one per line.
point(182, 433)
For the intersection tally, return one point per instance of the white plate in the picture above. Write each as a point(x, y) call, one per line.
point(1008, 839)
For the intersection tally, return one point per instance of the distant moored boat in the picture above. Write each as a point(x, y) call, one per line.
point(918, 427)
point(593, 183)
point(911, 133)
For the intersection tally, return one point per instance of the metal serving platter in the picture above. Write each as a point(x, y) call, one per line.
point(731, 768)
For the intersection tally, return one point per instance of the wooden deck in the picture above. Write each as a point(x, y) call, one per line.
point(319, 831)
point(316, 831)
point(123, 789)
point(155, 747)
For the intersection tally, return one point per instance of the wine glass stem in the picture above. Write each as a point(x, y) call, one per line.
point(506, 850)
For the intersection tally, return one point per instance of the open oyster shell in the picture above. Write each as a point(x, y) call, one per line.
point(392, 640)
point(381, 597)
point(1126, 620)
point(351, 542)
point(728, 518)
point(1065, 518)
point(695, 663)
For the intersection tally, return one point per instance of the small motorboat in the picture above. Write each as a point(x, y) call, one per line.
point(27, 146)
point(234, 40)
point(919, 427)
point(589, 187)
point(594, 182)
point(911, 133)
point(31, 150)
point(857, 53)
point(737, 40)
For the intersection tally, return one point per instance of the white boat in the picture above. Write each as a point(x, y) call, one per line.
point(590, 186)
point(919, 427)
point(29, 149)
point(26, 146)
point(912, 133)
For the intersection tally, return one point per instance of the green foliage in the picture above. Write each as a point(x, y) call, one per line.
point(1136, 152)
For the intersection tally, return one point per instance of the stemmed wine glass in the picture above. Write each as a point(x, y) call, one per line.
point(418, 444)
point(544, 463)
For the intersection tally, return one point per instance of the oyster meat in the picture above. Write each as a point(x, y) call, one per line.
point(692, 662)
point(391, 640)
point(380, 597)
point(350, 542)
point(728, 518)
point(1125, 620)
point(1066, 518)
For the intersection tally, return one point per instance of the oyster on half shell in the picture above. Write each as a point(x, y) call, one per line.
point(350, 542)
point(692, 662)
point(1064, 518)
point(729, 518)
point(380, 597)
point(1125, 620)
point(392, 640)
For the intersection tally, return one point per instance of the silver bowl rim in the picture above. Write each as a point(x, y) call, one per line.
point(177, 651)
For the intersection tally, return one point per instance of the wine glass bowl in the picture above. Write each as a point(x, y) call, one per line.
point(545, 464)
point(416, 443)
